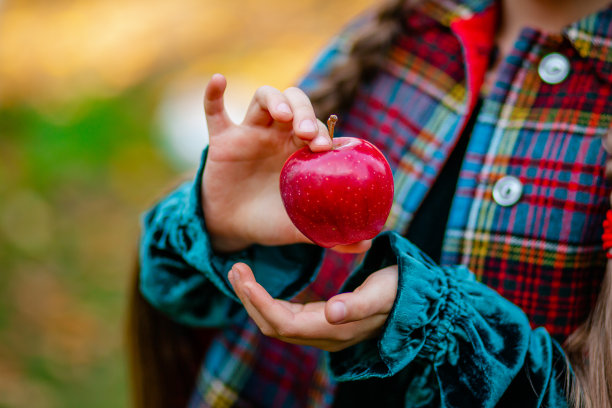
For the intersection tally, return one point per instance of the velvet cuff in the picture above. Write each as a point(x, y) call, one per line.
point(181, 275)
point(467, 345)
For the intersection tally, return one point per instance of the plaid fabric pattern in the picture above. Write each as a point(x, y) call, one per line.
point(244, 369)
point(543, 253)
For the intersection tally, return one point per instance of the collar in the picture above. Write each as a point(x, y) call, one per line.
point(591, 36)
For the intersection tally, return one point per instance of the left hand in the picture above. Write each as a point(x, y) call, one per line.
point(606, 142)
point(344, 320)
point(240, 192)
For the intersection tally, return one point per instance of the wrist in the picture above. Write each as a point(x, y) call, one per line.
point(225, 245)
point(221, 233)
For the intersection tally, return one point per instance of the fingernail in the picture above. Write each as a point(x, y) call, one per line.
point(230, 275)
point(337, 312)
point(321, 141)
point(235, 275)
point(283, 107)
point(307, 126)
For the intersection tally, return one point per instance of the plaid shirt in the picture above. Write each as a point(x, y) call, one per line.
point(544, 253)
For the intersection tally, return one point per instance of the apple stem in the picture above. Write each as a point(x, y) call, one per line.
point(331, 124)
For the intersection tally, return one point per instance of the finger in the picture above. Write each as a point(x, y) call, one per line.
point(295, 323)
point(294, 307)
point(273, 316)
point(340, 336)
point(356, 248)
point(261, 306)
point(375, 296)
point(268, 104)
point(216, 117)
point(606, 141)
point(236, 279)
point(319, 143)
point(608, 170)
point(280, 318)
point(307, 323)
point(305, 124)
point(322, 141)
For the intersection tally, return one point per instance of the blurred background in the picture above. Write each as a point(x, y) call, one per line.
point(100, 112)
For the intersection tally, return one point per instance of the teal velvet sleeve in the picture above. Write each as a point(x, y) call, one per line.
point(182, 276)
point(463, 344)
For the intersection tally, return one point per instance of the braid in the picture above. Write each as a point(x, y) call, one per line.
point(589, 350)
point(368, 51)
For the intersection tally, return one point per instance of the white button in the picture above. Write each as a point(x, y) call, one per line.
point(507, 191)
point(554, 68)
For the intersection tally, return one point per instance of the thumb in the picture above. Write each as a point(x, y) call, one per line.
point(214, 108)
point(375, 296)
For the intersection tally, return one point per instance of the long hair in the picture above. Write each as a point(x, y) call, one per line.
point(165, 356)
point(367, 53)
point(589, 351)
point(589, 348)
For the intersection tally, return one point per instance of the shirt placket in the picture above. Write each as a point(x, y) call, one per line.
point(473, 187)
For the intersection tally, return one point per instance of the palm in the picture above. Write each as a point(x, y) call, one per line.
point(315, 324)
point(242, 174)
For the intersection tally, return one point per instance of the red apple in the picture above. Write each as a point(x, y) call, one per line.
point(340, 196)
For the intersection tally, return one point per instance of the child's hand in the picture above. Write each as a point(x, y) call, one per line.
point(606, 141)
point(342, 321)
point(240, 191)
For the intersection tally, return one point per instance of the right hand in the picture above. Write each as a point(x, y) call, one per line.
point(606, 141)
point(240, 187)
point(342, 321)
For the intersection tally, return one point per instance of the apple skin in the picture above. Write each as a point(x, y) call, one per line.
point(340, 196)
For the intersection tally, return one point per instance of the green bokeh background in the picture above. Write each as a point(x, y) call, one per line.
point(71, 195)
point(82, 156)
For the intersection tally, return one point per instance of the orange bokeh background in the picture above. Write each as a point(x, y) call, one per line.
point(98, 100)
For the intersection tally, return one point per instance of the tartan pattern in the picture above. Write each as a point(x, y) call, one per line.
point(544, 253)
point(242, 367)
